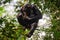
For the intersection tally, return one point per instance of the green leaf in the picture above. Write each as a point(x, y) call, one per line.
point(1, 10)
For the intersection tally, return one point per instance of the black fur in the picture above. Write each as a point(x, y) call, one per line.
point(33, 13)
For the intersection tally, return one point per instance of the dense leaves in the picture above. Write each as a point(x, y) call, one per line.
point(11, 30)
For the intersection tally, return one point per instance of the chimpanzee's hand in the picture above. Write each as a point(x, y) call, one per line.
point(25, 16)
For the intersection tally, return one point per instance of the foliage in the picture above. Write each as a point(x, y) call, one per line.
point(11, 30)
point(9, 27)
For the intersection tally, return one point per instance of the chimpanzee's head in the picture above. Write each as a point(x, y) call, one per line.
point(27, 8)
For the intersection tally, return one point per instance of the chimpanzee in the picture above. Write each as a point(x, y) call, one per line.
point(29, 17)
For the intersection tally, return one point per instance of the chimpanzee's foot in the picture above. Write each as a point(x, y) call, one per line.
point(24, 28)
point(29, 35)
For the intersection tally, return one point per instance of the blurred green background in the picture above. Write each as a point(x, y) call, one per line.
point(10, 29)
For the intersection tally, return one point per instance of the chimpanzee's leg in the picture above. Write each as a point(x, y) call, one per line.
point(33, 27)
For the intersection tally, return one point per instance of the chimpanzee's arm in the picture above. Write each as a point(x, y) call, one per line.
point(21, 20)
point(37, 13)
